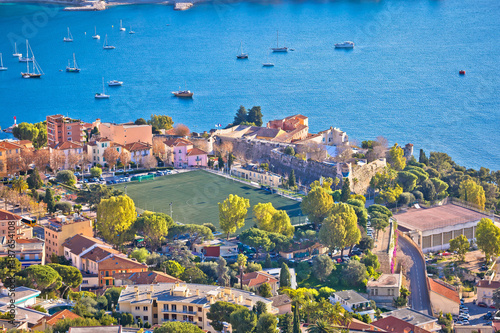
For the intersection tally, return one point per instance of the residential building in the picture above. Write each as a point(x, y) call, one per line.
point(305, 252)
point(354, 325)
point(90, 281)
point(100, 329)
point(276, 273)
point(60, 228)
point(76, 245)
point(296, 128)
point(444, 297)
point(396, 325)
point(8, 219)
point(25, 315)
point(117, 264)
point(139, 151)
point(258, 176)
point(283, 303)
point(24, 296)
point(96, 149)
point(433, 228)
point(474, 329)
point(189, 302)
point(10, 157)
point(73, 153)
point(6, 325)
point(385, 288)
point(333, 137)
point(29, 251)
point(351, 301)
point(91, 257)
point(61, 129)
point(49, 322)
point(150, 277)
point(217, 248)
point(485, 290)
point(254, 280)
point(415, 318)
point(126, 133)
point(183, 153)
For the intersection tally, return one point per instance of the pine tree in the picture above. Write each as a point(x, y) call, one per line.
point(285, 276)
point(346, 190)
point(49, 200)
point(241, 116)
point(34, 180)
point(255, 116)
point(296, 319)
point(291, 180)
point(422, 158)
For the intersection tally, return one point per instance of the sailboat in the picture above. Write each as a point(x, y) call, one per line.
point(101, 95)
point(267, 63)
point(1, 64)
point(183, 93)
point(106, 46)
point(242, 55)
point(27, 58)
point(37, 71)
point(69, 38)
point(277, 48)
point(75, 68)
point(131, 31)
point(96, 36)
point(16, 54)
point(121, 27)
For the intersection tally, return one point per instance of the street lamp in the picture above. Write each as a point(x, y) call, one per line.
point(171, 210)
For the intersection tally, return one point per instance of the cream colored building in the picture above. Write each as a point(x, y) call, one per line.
point(385, 288)
point(162, 302)
point(444, 297)
point(265, 177)
point(485, 290)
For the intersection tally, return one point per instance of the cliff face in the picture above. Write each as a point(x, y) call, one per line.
point(363, 175)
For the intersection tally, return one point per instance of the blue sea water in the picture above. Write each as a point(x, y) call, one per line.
point(401, 80)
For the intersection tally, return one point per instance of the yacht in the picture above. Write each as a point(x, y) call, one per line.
point(37, 72)
point(131, 31)
point(96, 36)
point(16, 54)
point(277, 48)
point(1, 64)
point(182, 93)
point(121, 27)
point(344, 45)
point(69, 38)
point(101, 95)
point(268, 64)
point(73, 69)
point(106, 46)
point(114, 83)
point(242, 55)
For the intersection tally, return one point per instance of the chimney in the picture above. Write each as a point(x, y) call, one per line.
point(152, 288)
point(148, 295)
point(136, 289)
point(197, 292)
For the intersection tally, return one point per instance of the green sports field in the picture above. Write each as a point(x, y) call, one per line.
point(195, 195)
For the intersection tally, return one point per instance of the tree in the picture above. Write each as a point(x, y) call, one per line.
point(472, 192)
point(255, 116)
point(355, 272)
point(95, 172)
point(159, 122)
point(496, 298)
point(256, 238)
point(194, 275)
point(291, 180)
point(346, 190)
point(115, 216)
point(139, 254)
point(407, 180)
point(222, 272)
point(149, 161)
point(286, 323)
point(34, 180)
point(316, 205)
point(268, 263)
point(396, 154)
point(269, 219)
point(141, 121)
point(267, 324)
point(154, 226)
point(296, 319)
point(243, 321)
point(49, 200)
point(64, 324)
point(321, 326)
point(9, 266)
point(125, 158)
point(41, 277)
point(289, 150)
point(71, 276)
point(322, 266)
point(220, 312)
point(360, 210)
point(232, 213)
point(371, 260)
point(422, 158)
point(428, 190)
point(177, 327)
point(340, 228)
point(172, 268)
point(19, 185)
point(95, 193)
point(210, 226)
point(197, 233)
point(461, 245)
point(181, 130)
point(488, 238)
point(440, 161)
point(285, 276)
point(265, 290)
point(66, 177)
point(111, 156)
point(241, 116)
point(366, 243)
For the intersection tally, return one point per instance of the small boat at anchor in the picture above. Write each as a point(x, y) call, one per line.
point(103, 94)
point(242, 55)
point(1, 64)
point(114, 83)
point(69, 38)
point(278, 48)
point(96, 36)
point(106, 46)
point(75, 68)
point(183, 93)
point(16, 54)
point(37, 72)
point(344, 45)
point(121, 27)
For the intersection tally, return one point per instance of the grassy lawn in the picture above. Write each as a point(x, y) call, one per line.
point(195, 196)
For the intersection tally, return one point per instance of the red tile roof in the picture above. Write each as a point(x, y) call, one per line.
point(175, 142)
point(117, 262)
point(99, 253)
point(396, 325)
point(255, 279)
point(444, 289)
point(488, 284)
point(79, 243)
point(8, 216)
point(10, 145)
point(146, 278)
point(135, 146)
point(69, 145)
point(64, 314)
point(195, 151)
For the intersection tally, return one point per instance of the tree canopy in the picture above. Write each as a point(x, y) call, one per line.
point(232, 213)
point(488, 238)
point(317, 204)
point(269, 219)
point(115, 216)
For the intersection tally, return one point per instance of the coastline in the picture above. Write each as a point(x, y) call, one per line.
point(84, 4)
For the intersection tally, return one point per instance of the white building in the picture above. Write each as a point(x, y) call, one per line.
point(351, 301)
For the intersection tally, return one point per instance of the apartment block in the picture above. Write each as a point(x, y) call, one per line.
point(60, 228)
point(61, 129)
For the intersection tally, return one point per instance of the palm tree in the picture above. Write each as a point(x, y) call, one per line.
point(20, 185)
point(321, 326)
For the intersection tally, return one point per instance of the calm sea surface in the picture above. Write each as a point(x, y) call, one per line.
point(401, 81)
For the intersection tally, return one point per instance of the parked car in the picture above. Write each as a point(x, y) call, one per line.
point(483, 268)
point(339, 260)
point(356, 253)
point(465, 322)
point(459, 322)
point(492, 306)
point(482, 305)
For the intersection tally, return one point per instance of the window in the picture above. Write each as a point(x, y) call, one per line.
point(144, 308)
point(165, 307)
point(155, 316)
point(165, 316)
point(199, 319)
point(69, 133)
point(145, 318)
point(85, 281)
point(174, 307)
point(137, 308)
point(184, 308)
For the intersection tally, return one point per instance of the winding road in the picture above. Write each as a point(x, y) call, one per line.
point(419, 297)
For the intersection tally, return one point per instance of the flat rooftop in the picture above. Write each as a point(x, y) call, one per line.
point(437, 217)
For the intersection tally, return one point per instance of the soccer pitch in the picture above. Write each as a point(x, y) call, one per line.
point(195, 195)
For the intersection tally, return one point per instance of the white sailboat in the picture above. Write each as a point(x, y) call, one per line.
point(121, 27)
point(131, 31)
point(1, 64)
point(115, 83)
point(69, 38)
point(267, 63)
point(242, 55)
point(37, 71)
point(75, 68)
point(101, 95)
point(278, 48)
point(27, 58)
point(16, 54)
point(106, 46)
point(96, 36)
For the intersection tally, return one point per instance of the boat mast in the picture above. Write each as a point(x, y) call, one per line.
point(277, 38)
point(27, 58)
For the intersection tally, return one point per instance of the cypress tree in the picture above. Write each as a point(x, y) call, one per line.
point(346, 190)
point(285, 276)
point(241, 116)
point(291, 180)
point(34, 181)
point(296, 319)
point(50, 201)
point(255, 116)
point(422, 158)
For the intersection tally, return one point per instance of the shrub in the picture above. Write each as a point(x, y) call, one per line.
point(65, 207)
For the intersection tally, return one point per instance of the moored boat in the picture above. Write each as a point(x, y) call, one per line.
point(103, 94)
point(344, 45)
point(114, 83)
point(96, 36)
point(278, 48)
point(183, 93)
point(73, 69)
point(69, 38)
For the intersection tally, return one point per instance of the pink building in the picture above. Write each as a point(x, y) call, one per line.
point(183, 154)
point(61, 129)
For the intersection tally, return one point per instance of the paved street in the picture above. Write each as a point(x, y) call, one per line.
point(419, 299)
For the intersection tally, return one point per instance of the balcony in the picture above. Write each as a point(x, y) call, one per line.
point(179, 311)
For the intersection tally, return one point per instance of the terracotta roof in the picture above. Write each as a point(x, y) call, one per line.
point(171, 131)
point(175, 142)
point(102, 140)
point(195, 151)
point(396, 325)
point(68, 145)
point(79, 243)
point(444, 289)
point(99, 253)
point(488, 284)
point(296, 116)
point(135, 146)
point(281, 300)
point(28, 241)
point(146, 277)
point(10, 145)
point(267, 132)
point(64, 314)
point(117, 262)
point(255, 279)
point(8, 216)
point(356, 325)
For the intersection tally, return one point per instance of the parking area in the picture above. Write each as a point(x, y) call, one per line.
point(477, 315)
